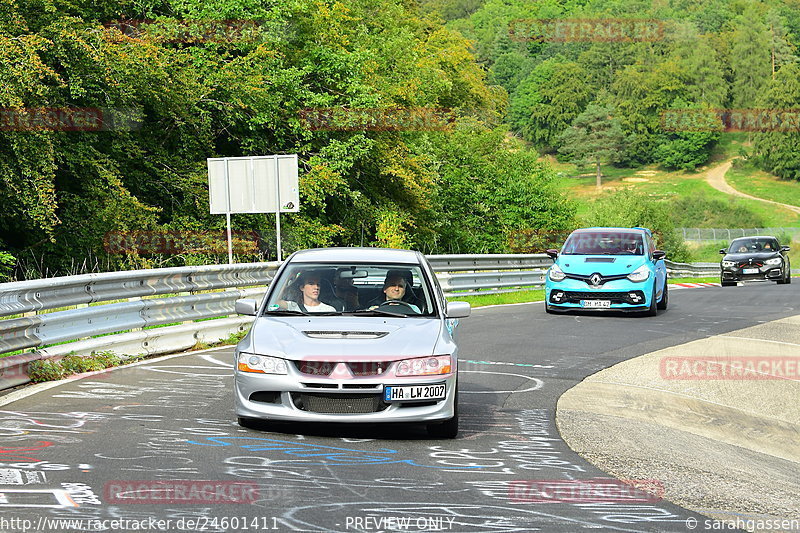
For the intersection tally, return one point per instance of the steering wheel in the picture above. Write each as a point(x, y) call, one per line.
point(391, 303)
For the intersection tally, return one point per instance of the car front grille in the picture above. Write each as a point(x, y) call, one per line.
point(615, 297)
point(367, 369)
point(326, 368)
point(338, 403)
point(746, 264)
point(315, 368)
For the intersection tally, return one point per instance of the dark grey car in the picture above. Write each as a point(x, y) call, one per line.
point(755, 258)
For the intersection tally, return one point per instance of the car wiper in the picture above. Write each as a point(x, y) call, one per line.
point(374, 312)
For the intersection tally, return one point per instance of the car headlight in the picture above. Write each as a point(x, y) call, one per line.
point(424, 366)
point(640, 274)
point(261, 364)
point(774, 261)
point(728, 264)
point(556, 274)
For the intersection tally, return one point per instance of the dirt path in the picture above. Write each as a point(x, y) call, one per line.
point(716, 178)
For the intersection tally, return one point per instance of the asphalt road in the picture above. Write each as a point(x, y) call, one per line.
point(72, 452)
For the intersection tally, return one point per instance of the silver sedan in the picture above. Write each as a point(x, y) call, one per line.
point(353, 335)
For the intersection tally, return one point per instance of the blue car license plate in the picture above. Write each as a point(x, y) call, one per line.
point(411, 393)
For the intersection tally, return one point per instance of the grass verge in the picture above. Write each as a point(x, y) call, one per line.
point(755, 182)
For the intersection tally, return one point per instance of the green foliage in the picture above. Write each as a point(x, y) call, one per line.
point(549, 100)
point(626, 208)
point(7, 262)
point(488, 188)
point(686, 150)
point(750, 57)
point(45, 370)
point(50, 370)
point(778, 152)
point(698, 211)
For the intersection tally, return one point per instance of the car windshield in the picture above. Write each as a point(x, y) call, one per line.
point(352, 289)
point(751, 245)
point(604, 243)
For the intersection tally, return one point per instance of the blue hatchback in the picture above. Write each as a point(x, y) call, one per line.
point(615, 269)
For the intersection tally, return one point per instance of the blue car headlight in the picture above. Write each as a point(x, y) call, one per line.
point(640, 274)
point(556, 274)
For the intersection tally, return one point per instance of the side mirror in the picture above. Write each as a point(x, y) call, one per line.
point(785, 248)
point(458, 310)
point(552, 253)
point(659, 254)
point(723, 251)
point(247, 306)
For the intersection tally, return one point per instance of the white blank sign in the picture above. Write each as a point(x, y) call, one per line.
point(252, 185)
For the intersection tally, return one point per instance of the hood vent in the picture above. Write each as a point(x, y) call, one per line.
point(345, 334)
point(600, 259)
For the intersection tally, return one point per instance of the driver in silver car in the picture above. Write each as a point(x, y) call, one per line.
point(394, 287)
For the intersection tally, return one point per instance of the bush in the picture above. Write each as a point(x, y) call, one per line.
point(75, 364)
point(49, 370)
point(45, 370)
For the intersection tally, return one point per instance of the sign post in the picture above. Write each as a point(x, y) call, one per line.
point(260, 184)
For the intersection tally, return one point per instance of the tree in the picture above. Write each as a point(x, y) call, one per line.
point(778, 151)
point(781, 50)
point(705, 82)
point(594, 137)
point(750, 58)
point(548, 100)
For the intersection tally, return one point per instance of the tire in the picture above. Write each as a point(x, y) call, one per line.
point(653, 310)
point(664, 297)
point(727, 283)
point(447, 429)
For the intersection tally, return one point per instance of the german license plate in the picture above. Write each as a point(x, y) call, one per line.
point(750, 271)
point(596, 304)
point(419, 393)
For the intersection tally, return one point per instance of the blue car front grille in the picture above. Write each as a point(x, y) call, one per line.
point(615, 297)
point(602, 279)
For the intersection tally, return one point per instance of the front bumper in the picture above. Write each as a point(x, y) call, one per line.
point(766, 272)
point(623, 295)
point(298, 398)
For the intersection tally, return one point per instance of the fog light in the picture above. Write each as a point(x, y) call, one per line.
point(557, 296)
point(635, 298)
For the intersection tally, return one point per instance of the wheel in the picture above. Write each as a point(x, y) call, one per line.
point(727, 283)
point(449, 428)
point(664, 297)
point(653, 310)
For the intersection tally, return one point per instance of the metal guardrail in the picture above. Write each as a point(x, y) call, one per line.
point(140, 323)
point(728, 234)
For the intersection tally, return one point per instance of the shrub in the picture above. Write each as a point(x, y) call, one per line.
point(45, 370)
